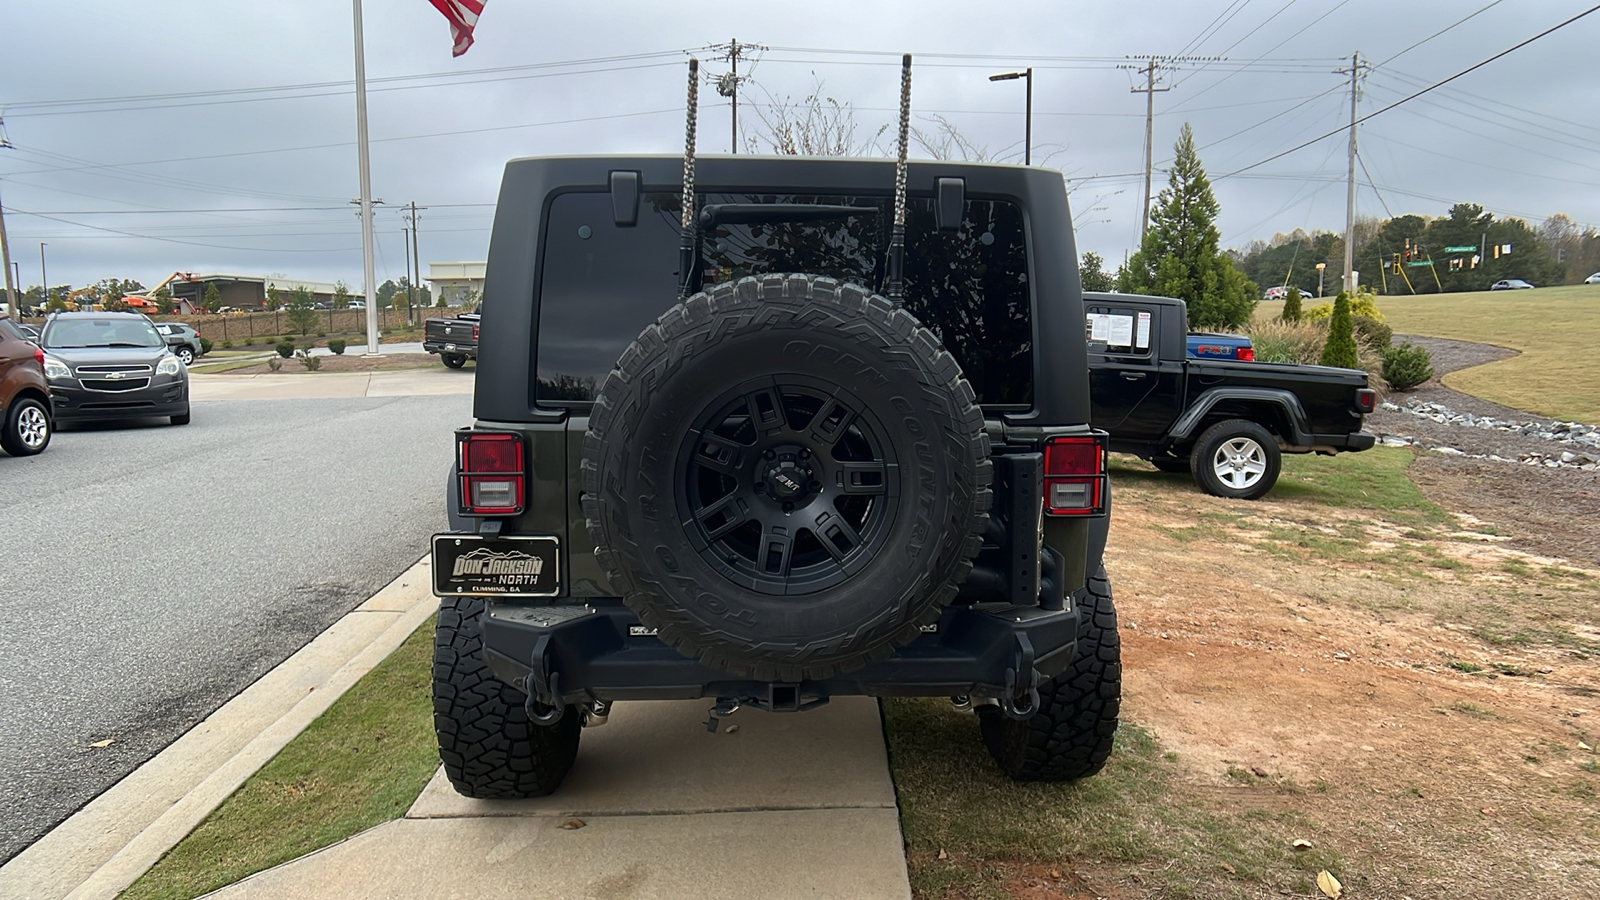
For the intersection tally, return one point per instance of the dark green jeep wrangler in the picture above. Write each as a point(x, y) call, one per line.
point(712, 458)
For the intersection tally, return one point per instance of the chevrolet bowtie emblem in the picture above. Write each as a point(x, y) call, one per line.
point(115, 375)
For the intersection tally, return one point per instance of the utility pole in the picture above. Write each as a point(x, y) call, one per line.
point(5, 257)
point(1355, 70)
point(728, 82)
point(364, 166)
point(415, 252)
point(1149, 90)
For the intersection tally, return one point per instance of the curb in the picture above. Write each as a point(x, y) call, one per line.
point(107, 845)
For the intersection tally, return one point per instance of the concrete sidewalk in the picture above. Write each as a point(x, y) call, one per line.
point(400, 383)
point(787, 805)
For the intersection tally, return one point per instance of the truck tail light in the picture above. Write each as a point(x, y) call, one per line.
point(1075, 475)
point(474, 334)
point(493, 472)
point(1366, 400)
point(1247, 354)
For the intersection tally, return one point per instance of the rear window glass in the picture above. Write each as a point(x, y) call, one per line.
point(603, 284)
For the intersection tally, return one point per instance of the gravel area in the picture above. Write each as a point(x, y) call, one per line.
point(1550, 512)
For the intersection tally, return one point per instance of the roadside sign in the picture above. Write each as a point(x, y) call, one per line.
point(1420, 262)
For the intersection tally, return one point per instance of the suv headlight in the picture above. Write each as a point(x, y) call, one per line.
point(169, 365)
point(55, 369)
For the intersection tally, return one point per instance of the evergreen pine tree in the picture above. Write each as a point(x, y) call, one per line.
point(1291, 306)
point(1340, 350)
point(1179, 256)
point(213, 298)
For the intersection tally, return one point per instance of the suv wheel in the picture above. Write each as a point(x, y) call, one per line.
point(489, 747)
point(185, 354)
point(27, 428)
point(786, 476)
point(1236, 459)
point(1071, 735)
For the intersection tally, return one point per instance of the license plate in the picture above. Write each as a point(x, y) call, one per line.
point(449, 346)
point(470, 565)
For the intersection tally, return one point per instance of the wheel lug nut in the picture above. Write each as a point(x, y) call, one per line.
point(772, 454)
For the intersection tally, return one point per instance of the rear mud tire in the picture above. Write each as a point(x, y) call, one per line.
point(490, 750)
point(782, 614)
point(1072, 734)
point(453, 360)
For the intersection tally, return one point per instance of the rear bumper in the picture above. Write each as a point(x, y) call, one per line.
point(601, 652)
point(468, 350)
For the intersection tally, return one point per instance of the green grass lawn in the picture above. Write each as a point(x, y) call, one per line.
point(1556, 329)
point(361, 763)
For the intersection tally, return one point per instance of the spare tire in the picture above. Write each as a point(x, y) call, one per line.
point(786, 477)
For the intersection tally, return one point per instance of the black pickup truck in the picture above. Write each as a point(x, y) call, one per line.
point(1224, 421)
point(454, 339)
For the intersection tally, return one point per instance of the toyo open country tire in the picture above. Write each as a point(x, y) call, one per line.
point(786, 476)
point(489, 748)
point(1070, 737)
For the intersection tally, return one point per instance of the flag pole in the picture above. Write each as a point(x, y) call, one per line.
point(367, 269)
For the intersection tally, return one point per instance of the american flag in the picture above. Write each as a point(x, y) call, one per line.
point(463, 16)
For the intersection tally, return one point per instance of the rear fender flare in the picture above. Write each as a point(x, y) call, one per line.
point(1195, 416)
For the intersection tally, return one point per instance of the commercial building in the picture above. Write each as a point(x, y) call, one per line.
point(453, 280)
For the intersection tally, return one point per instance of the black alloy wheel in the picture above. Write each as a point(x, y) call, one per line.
point(790, 484)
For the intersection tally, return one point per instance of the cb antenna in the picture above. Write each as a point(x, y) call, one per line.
point(686, 233)
point(894, 284)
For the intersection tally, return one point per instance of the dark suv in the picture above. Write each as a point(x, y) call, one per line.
point(24, 393)
point(112, 365)
point(713, 459)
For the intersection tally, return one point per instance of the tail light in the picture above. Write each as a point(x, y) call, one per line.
point(38, 356)
point(474, 333)
point(493, 472)
point(1075, 475)
point(1366, 400)
point(1247, 354)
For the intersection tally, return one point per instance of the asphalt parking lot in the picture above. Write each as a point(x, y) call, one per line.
point(152, 572)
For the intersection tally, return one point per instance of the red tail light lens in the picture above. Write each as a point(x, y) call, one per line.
point(493, 472)
point(1366, 400)
point(1075, 475)
point(474, 332)
point(1247, 354)
point(38, 356)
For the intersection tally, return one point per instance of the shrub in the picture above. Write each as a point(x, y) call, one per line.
point(274, 364)
point(1291, 306)
point(336, 346)
point(205, 346)
point(1406, 366)
point(1373, 333)
point(285, 349)
point(1365, 303)
point(322, 334)
point(1296, 343)
point(1340, 350)
point(227, 345)
point(311, 363)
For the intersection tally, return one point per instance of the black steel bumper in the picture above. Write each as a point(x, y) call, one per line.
point(468, 350)
point(576, 653)
point(74, 404)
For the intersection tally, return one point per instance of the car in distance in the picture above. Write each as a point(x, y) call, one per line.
point(112, 365)
point(1510, 284)
point(24, 393)
point(1593, 279)
point(1278, 292)
point(183, 339)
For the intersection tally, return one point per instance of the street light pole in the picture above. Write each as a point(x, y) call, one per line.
point(1027, 139)
point(43, 275)
point(1320, 267)
point(368, 270)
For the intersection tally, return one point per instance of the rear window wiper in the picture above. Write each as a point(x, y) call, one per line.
point(752, 213)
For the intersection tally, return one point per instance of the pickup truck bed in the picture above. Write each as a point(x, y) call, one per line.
point(1224, 421)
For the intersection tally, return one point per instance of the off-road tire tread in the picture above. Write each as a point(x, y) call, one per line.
point(1072, 734)
point(824, 302)
point(490, 750)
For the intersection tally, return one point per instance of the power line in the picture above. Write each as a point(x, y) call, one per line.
point(1411, 97)
point(1291, 37)
point(1430, 37)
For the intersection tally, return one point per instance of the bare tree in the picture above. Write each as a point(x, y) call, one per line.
point(815, 125)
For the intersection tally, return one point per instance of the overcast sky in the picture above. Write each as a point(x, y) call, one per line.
point(259, 181)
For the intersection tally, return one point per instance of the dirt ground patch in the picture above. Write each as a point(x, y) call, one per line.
point(1422, 693)
point(346, 363)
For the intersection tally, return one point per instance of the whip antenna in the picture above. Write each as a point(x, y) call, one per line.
point(894, 283)
point(686, 235)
